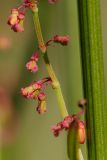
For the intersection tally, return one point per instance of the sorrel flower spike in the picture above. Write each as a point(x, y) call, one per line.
point(36, 92)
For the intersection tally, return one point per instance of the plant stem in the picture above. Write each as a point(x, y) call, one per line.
point(55, 82)
point(93, 78)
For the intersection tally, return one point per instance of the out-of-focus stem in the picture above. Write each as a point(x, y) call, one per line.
point(93, 78)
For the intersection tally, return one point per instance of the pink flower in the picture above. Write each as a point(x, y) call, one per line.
point(32, 91)
point(13, 19)
point(65, 124)
point(16, 20)
point(18, 28)
point(32, 66)
point(36, 92)
point(56, 129)
point(35, 57)
point(79, 126)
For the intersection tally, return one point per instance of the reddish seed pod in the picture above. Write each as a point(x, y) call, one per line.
point(81, 132)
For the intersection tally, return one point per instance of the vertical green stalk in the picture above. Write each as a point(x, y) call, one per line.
point(55, 82)
point(93, 78)
point(73, 148)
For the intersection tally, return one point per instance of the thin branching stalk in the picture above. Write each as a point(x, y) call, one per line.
point(93, 78)
point(55, 82)
point(56, 87)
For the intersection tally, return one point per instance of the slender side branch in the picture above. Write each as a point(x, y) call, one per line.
point(55, 82)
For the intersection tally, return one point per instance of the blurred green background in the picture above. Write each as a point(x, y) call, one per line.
point(27, 135)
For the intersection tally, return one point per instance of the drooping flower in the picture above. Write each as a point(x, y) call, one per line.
point(32, 91)
point(41, 103)
point(32, 64)
point(13, 18)
point(65, 124)
point(35, 91)
point(71, 122)
point(16, 20)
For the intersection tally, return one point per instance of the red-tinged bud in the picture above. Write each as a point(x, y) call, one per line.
point(37, 85)
point(32, 66)
point(81, 132)
point(31, 92)
point(21, 16)
point(67, 122)
point(56, 129)
point(42, 96)
point(63, 40)
point(18, 27)
point(35, 57)
point(41, 107)
point(13, 19)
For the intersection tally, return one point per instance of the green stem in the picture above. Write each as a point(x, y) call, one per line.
point(93, 78)
point(55, 82)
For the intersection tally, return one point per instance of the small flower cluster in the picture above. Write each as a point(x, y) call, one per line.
point(32, 64)
point(66, 124)
point(36, 92)
point(17, 16)
point(70, 121)
point(16, 20)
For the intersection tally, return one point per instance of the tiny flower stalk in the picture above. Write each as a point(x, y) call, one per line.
point(93, 78)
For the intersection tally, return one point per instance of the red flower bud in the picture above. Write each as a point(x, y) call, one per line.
point(18, 27)
point(61, 39)
point(81, 132)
